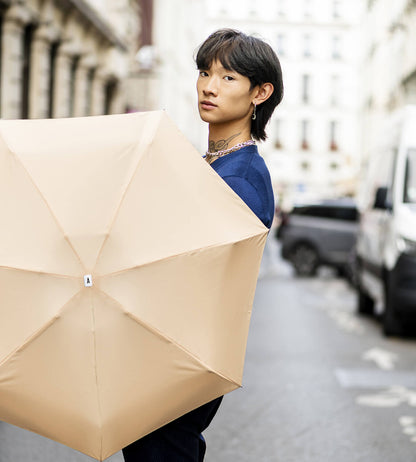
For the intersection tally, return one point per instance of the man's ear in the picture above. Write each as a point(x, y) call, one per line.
point(264, 93)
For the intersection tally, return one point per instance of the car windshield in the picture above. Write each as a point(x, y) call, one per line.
point(409, 195)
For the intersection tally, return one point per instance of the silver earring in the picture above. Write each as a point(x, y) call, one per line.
point(253, 117)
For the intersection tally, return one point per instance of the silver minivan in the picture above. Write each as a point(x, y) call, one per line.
point(317, 234)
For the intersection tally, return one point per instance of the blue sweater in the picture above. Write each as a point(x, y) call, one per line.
point(246, 173)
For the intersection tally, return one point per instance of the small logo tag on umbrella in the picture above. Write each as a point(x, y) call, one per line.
point(88, 280)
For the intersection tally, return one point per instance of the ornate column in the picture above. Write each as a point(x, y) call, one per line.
point(40, 73)
point(62, 91)
point(12, 53)
point(118, 104)
point(82, 76)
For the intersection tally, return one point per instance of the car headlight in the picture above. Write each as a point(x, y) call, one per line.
point(405, 245)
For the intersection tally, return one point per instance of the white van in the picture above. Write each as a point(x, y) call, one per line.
point(386, 240)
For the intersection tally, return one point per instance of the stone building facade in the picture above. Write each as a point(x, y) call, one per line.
point(389, 70)
point(64, 58)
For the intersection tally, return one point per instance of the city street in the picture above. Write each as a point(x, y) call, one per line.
point(321, 384)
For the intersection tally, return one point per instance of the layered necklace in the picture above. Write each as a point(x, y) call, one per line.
point(209, 156)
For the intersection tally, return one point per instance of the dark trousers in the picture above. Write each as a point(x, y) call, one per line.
point(178, 441)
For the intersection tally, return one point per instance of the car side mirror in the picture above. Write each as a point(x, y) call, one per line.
point(382, 201)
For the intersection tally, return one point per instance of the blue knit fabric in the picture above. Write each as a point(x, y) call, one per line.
point(246, 173)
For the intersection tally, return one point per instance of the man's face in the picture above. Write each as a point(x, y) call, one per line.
point(224, 96)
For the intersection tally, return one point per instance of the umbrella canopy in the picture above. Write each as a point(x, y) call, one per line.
point(127, 275)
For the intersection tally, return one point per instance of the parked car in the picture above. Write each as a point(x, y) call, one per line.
point(386, 242)
point(317, 234)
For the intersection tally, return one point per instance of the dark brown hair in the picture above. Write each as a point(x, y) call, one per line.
point(251, 57)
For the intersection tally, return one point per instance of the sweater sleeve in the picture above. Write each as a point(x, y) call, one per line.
point(250, 196)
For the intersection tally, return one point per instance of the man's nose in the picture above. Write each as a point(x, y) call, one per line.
point(211, 86)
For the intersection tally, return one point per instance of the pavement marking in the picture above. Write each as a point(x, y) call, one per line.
point(392, 397)
point(346, 321)
point(384, 359)
point(408, 424)
point(374, 378)
point(339, 304)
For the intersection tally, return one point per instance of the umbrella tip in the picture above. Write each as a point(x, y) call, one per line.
point(88, 280)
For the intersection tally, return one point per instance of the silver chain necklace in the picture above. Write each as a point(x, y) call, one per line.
point(209, 155)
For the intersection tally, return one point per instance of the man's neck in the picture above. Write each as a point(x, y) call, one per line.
point(218, 140)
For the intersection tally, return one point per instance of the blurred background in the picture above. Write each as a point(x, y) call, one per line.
point(346, 65)
point(321, 383)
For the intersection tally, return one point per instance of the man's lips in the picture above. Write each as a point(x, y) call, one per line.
point(208, 105)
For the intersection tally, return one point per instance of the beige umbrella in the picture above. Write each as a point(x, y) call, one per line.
point(127, 275)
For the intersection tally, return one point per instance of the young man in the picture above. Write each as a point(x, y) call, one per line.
point(239, 86)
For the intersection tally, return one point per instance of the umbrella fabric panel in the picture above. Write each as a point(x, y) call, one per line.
point(29, 301)
point(167, 204)
point(173, 253)
point(146, 380)
point(49, 385)
point(30, 237)
point(201, 301)
point(84, 178)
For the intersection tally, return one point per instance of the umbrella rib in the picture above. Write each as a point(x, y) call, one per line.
point(187, 252)
point(147, 143)
point(165, 337)
point(37, 333)
point(14, 268)
point(42, 197)
point(100, 413)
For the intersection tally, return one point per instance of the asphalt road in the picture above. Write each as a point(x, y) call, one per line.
point(320, 384)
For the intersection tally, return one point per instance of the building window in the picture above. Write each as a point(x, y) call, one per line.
point(281, 8)
point(90, 82)
point(277, 134)
point(333, 135)
point(307, 51)
point(52, 76)
point(306, 80)
point(336, 9)
point(307, 9)
point(110, 93)
point(1, 56)
point(336, 45)
point(334, 90)
point(72, 84)
point(146, 16)
point(26, 69)
point(304, 134)
point(281, 44)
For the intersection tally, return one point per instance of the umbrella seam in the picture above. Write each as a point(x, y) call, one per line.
point(37, 333)
point(14, 268)
point(188, 252)
point(160, 334)
point(149, 143)
point(100, 414)
point(13, 153)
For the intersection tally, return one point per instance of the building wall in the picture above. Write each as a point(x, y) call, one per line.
point(389, 72)
point(63, 58)
point(164, 73)
point(179, 29)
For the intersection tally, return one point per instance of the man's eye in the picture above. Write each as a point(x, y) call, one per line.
point(229, 78)
point(203, 73)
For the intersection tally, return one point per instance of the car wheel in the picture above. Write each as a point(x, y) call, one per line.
point(391, 323)
point(305, 260)
point(365, 303)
